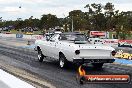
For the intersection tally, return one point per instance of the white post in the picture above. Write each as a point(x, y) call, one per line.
point(72, 25)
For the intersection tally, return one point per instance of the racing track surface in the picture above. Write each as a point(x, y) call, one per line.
point(48, 73)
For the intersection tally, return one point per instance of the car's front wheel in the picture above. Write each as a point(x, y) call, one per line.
point(62, 61)
point(40, 56)
point(97, 65)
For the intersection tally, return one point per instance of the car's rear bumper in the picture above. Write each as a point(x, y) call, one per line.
point(93, 60)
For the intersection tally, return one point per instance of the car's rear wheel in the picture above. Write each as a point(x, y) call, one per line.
point(97, 65)
point(62, 61)
point(40, 56)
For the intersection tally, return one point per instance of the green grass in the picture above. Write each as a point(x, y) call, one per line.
point(15, 31)
point(37, 32)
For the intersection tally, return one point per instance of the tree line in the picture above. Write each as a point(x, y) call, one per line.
point(98, 17)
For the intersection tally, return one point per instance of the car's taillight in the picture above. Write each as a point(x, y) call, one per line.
point(113, 53)
point(77, 52)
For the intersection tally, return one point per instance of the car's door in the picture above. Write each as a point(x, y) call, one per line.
point(53, 51)
point(52, 48)
point(44, 47)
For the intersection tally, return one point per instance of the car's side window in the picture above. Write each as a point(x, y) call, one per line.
point(62, 37)
point(53, 38)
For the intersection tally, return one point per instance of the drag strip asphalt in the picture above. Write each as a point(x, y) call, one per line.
point(48, 72)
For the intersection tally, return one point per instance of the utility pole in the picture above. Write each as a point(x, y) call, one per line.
point(0, 19)
point(72, 25)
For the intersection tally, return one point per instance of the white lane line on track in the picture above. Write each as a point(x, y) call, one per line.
point(12, 81)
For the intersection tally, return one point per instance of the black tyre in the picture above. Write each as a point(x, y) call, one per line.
point(62, 61)
point(97, 65)
point(40, 56)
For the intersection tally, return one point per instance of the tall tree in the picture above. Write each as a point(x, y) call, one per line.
point(79, 20)
point(48, 21)
point(109, 12)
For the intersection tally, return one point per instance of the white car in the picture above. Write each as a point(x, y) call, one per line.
point(74, 47)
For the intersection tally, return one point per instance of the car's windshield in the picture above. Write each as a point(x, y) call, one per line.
point(73, 37)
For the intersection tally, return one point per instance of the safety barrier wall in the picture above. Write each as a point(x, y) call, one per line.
point(8, 35)
point(123, 52)
point(22, 36)
point(111, 42)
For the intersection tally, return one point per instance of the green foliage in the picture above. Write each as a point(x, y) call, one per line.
point(48, 21)
point(97, 18)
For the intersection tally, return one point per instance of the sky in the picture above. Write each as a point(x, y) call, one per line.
point(9, 9)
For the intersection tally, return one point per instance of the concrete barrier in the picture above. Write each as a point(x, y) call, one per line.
point(37, 37)
point(11, 81)
point(111, 42)
point(8, 35)
point(27, 36)
point(23, 36)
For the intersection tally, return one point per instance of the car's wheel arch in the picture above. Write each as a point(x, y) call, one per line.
point(38, 48)
point(61, 53)
point(40, 54)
